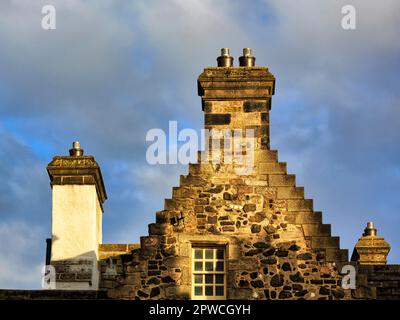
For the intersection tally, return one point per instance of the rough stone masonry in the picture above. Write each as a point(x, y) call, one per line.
point(275, 244)
point(222, 235)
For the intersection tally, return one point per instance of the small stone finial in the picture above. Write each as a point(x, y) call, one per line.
point(247, 60)
point(225, 60)
point(370, 249)
point(76, 150)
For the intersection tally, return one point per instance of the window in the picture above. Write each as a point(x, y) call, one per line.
point(209, 273)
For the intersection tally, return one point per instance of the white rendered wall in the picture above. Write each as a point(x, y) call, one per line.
point(76, 229)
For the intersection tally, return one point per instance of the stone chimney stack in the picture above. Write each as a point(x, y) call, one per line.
point(238, 97)
point(370, 249)
point(78, 194)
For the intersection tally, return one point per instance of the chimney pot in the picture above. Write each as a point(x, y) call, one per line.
point(247, 52)
point(247, 60)
point(76, 150)
point(225, 52)
point(370, 230)
point(225, 60)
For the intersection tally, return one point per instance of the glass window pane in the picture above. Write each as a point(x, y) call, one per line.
point(209, 290)
point(198, 266)
point(220, 266)
point(198, 254)
point(198, 278)
point(209, 254)
point(209, 278)
point(198, 291)
point(219, 278)
point(219, 290)
point(209, 272)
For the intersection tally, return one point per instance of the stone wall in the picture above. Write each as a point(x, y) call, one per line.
point(276, 244)
point(9, 294)
point(263, 220)
point(380, 282)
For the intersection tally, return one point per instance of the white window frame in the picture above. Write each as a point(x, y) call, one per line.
point(214, 260)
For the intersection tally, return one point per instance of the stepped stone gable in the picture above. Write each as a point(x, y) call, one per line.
point(236, 227)
point(276, 245)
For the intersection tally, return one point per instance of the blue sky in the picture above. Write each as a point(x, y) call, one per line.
point(112, 70)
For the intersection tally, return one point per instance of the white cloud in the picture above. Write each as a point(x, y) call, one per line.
point(20, 266)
